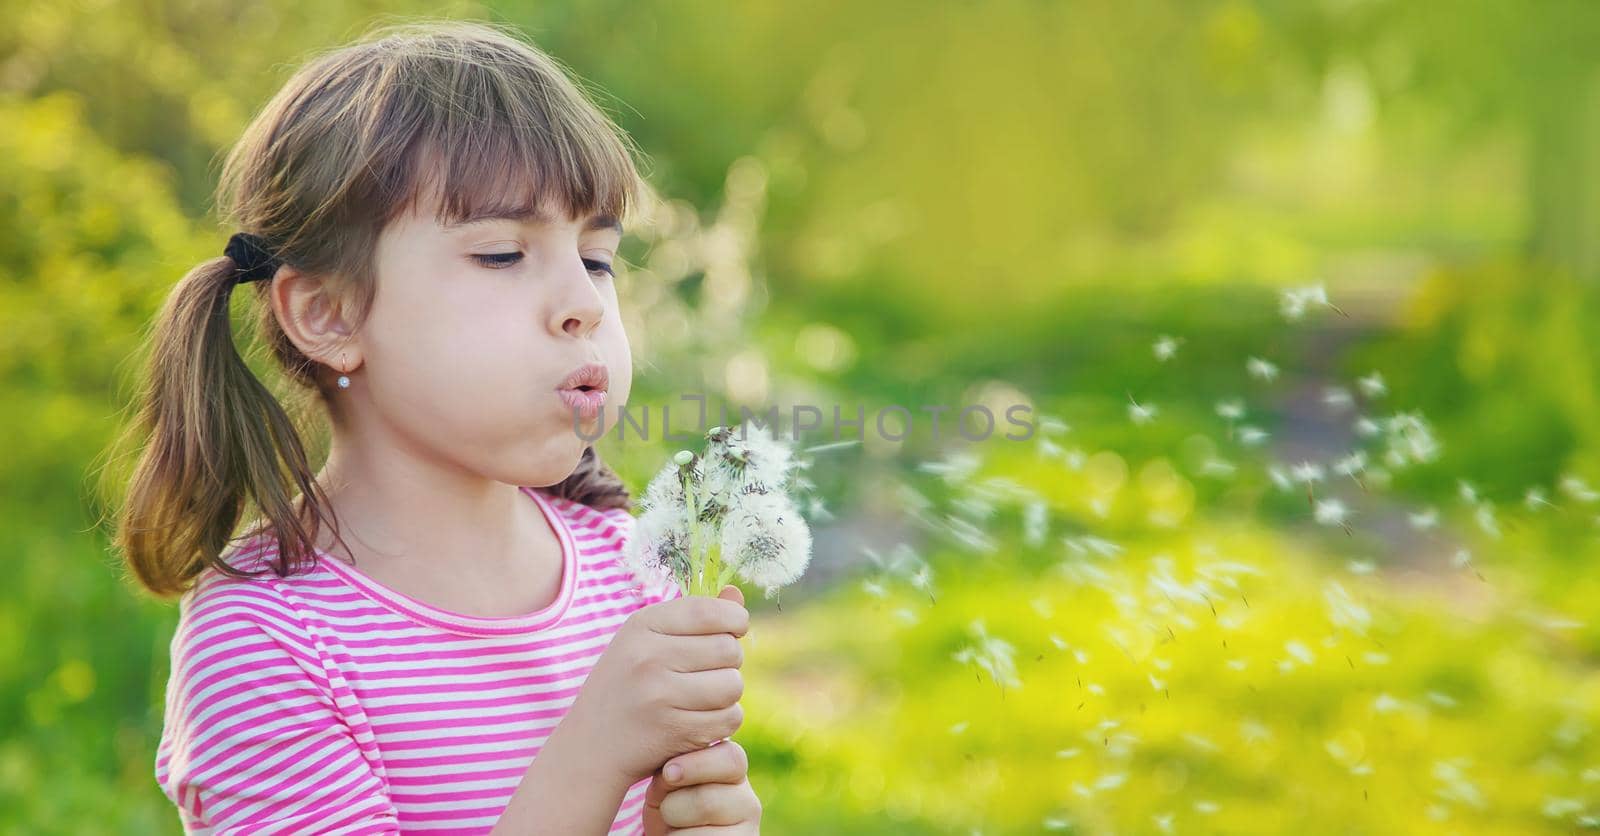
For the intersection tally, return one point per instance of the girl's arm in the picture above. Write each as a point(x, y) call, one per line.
point(252, 741)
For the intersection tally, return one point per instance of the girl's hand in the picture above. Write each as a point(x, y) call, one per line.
point(667, 685)
point(711, 796)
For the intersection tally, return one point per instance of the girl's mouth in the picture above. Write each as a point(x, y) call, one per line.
point(585, 401)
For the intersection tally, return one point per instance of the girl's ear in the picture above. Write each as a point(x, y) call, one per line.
point(313, 319)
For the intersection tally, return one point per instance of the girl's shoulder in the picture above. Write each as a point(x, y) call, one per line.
point(259, 592)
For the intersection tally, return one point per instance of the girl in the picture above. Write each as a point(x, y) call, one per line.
point(432, 213)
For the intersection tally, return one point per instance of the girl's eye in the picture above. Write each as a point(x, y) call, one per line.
point(497, 261)
point(500, 261)
point(596, 266)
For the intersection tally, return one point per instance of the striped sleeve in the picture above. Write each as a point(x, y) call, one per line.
point(252, 741)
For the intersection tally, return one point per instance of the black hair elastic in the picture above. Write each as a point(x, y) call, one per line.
point(252, 256)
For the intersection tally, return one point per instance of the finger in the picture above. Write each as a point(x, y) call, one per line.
point(724, 763)
point(656, 792)
point(709, 690)
point(699, 615)
point(705, 653)
point(704, 728)
point(706, 804)
point(732, 593)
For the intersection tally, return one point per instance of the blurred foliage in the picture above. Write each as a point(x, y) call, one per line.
point(904, 203)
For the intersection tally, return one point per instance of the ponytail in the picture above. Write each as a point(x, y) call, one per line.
point(217, 437)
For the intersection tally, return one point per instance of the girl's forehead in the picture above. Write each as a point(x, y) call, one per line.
point(463, 208)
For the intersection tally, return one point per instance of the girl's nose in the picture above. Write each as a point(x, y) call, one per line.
point(581, 306)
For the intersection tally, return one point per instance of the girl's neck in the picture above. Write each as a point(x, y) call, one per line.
point(408, 508)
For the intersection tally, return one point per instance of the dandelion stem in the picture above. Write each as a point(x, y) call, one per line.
point(696, 560)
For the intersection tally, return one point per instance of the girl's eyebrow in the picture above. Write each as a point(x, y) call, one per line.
point(526, 213)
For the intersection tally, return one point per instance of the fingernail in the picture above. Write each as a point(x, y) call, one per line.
point(674, 772)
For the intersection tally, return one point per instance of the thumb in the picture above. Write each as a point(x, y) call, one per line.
point(732, 593)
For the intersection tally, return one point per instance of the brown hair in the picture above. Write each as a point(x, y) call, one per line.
point(465, 112)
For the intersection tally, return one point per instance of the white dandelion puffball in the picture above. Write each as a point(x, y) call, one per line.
point(659, 547)
point(664, 491)
point(744, 458)
point(766, 540)
point(658, 551)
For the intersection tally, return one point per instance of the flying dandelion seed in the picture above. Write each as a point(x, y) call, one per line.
point(922, 581)
point(1140, 413)
point(1338, 397)
point(1090, 544)
point(1467, 491)
point(1035, 523)
point(1296, 301)
point(1332, 512)
point(1251, 436)
point(1307, 473)
point(1352, 466)
point(1425, 519)
point(1366, 427)
point(1578, 490)
point(1535, 498)
point(1261, 369)
point(992, 655)
point(1485, 518)
point(1231, 410)
point(1372, 385)
point(1166, 347)
point(1344, 611)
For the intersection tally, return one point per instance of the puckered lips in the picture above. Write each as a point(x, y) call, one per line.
point(584, 389)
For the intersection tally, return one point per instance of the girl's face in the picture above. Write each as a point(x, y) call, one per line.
point(474, 328)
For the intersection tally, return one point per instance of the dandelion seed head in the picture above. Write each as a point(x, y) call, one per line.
point(766, 540)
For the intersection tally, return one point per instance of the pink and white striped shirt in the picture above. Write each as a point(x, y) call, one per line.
point(327, 703)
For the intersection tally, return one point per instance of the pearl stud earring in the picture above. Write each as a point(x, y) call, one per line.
point(344, 379)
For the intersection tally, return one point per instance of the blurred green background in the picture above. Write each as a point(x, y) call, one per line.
point(1120, 626)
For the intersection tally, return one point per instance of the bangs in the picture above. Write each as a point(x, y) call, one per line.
point(501, 134)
